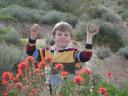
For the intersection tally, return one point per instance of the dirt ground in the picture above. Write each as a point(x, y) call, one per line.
point(115, 64)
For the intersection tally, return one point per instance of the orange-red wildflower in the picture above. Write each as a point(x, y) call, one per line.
point(79, 80)
point(102, 90)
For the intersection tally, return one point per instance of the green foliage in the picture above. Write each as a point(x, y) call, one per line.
point(36, 4)
point(21, 13)
point(105, 14)
point(67, 87)
point(109, 35)
point(80, 31)
point(124, 15)
point(52, 17)
point(7, 18)
point(88, 6)
point(112, 90)
point(124, 51)
point(22, 42)
point(9, 35)
point(124, 3)
point(9, 56)
point(71, 19)
point(70, 6)
point(103, 52)
point(18, 13)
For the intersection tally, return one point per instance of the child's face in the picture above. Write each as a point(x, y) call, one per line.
point(62, 39)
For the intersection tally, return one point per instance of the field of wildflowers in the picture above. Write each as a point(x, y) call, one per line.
point(30, 80)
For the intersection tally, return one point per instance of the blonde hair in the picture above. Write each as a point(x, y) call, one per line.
point(64, 27)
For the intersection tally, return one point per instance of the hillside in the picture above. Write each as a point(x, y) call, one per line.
point(110, 45)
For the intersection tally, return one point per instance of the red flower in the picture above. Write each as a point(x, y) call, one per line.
point(23, 65)
point(64, 73)
point(19, 74)
point(59, 67)
point(18, 86)
point(85, 70)
point(41, 64)
point(109, 74)
point(7, 76)
point(37, 70)
point(30, 59)
point(79, 80)
point(102, 90)
point(34, 91)
point(6, 94)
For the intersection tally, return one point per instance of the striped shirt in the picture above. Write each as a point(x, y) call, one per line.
point(68, 56)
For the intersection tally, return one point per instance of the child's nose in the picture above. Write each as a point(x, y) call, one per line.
point(63, 36)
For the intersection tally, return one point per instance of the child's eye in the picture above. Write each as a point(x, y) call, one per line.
point(66, 35)
point(59, 34)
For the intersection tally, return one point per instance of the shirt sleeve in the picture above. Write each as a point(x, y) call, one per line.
point(85, 55)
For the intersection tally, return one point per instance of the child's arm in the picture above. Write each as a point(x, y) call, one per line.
point(31, 45)
point(85, 55)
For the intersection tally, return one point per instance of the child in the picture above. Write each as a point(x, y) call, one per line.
point(61, 51)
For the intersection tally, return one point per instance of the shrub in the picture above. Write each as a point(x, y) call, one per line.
point(105, 14)
point(123, 2)
point(65, 5)
point(7, 18)
point(109, 35)
point(9, 35)
point(80, 31)
point(9, 56)
point(22, 42)
point(53, 17)
point(36, 4)
point(103, 52)
point(124, 15)
point(71, 19)
point(124, 52)
point(22, 13)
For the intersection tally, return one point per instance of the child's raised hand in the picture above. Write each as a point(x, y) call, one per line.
point(92, 29)
point(34, 31)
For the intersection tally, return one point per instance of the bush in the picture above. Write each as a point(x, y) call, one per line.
point(124, 52)
point(65, 5)
point(37, 4)
point(9, 35)
point(109, 35)
point(80, 31)
point(22, 13)
point(124, 15)
point(53, 17)
point(7, 18)
point(123, 2)
point(9, 56)
point(71, 19)
point(103, 52)
point(105, 14)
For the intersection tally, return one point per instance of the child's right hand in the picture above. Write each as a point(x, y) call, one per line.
point(34, 31)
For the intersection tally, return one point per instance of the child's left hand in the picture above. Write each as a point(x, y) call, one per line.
point(94, 32)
